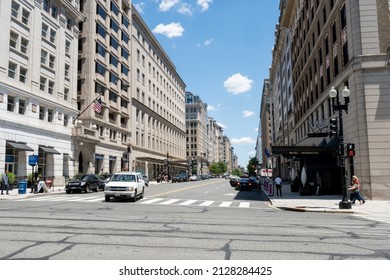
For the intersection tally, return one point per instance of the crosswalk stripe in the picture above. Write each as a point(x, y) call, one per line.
point(95, 199)
point(188, 202)
point(206, 203)
point(152, 201)
point(244, 204)
point(160, 201)
point(225, 204)
point(171, 201)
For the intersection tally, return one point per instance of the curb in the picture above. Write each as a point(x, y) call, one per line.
point(318, 210)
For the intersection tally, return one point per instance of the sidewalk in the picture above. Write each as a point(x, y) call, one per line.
point(323, 203)
point(14, 194)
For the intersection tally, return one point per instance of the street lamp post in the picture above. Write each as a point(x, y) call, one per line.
point(168, 165)
point(337, 106)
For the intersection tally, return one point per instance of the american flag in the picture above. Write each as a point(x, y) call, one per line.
point(97, 106)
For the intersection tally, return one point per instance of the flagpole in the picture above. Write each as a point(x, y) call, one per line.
point(79, 114)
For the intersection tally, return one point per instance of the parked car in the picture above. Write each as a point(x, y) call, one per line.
point(83, 182)
point(233, 181)
point(255, 182)
point(146, 179)
point(194, 178)
point(103, 180)
point(182, 177)
point(244, 183)
point(125, 185)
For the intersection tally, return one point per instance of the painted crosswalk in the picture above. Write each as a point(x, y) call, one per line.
point(145, 201)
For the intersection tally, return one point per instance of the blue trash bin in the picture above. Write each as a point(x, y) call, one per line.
point(22, 186)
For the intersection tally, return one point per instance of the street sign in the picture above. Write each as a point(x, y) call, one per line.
point(32, 160)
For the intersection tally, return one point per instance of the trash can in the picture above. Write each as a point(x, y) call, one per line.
point(22, 186)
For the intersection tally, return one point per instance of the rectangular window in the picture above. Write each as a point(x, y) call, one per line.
point(22, 74)
point(25, 16)
point(54, 12)
point(67, 66)
point(113, 61)
point(45, 30)
point(46, 6)
point(113, 78)
point(66, 94)
point(113, 96)
point(11, 103)
point(43, 57)
point(114, 26)
point(100, 30)
point(125, 54)
point(100, 50)
point(42, 83)
point(51, 61)
point(114, 43)
point(114, 8)
point(101, 12)
point(12, 70)
point(41, 113)
point(15, 9)
point(125, 21)
point(22, 107)
point(13, 40)
point(49, 115)
point(23, 45)
point(53, 34)
point(67, 47)
point(51, 87)
point(69, 24)
point(66, 119)
point(100, 69)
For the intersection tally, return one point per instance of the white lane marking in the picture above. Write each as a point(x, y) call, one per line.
point(152, 201)
point(170, 201)
point(188, 202)
point(225, 204)
point(244, 204)
point(206, 203)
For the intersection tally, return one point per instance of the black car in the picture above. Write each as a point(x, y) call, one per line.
point(244, 184)
point(233, 181)
point(103, 180)
point(182, 177)
point(84, 183)
point(255, 182)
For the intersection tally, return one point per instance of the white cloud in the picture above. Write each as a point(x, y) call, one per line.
point(247, 113)
point(213, 108)
point(238, 83)
point(204, 4)
point(185, 9)
point(208, 42)
point(221, 125)
point(243, 140)
point(140, 7)
point(252, 153)
point(171, 30)
point(166, 5)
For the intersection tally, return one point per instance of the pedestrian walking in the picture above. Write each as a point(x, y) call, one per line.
point(278, 184)
point(4, 182)
point(355, 191)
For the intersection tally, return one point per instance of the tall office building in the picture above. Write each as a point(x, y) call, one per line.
point(335, 44)
point(158, 107)
point(38, 80)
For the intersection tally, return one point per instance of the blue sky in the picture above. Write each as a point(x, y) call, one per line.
point(222, 49)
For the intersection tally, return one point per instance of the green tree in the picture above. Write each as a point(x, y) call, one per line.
point(252, 166)
point(218, 168)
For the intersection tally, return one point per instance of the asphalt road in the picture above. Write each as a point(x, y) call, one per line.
point(202, 220)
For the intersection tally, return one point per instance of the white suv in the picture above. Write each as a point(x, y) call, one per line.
point(125, 185)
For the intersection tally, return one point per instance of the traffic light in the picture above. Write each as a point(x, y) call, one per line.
point(351, 150)
point(333, 127)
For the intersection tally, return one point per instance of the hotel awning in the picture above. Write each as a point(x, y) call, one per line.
point(300, 150)
point(19, 146)
point(50, 150)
